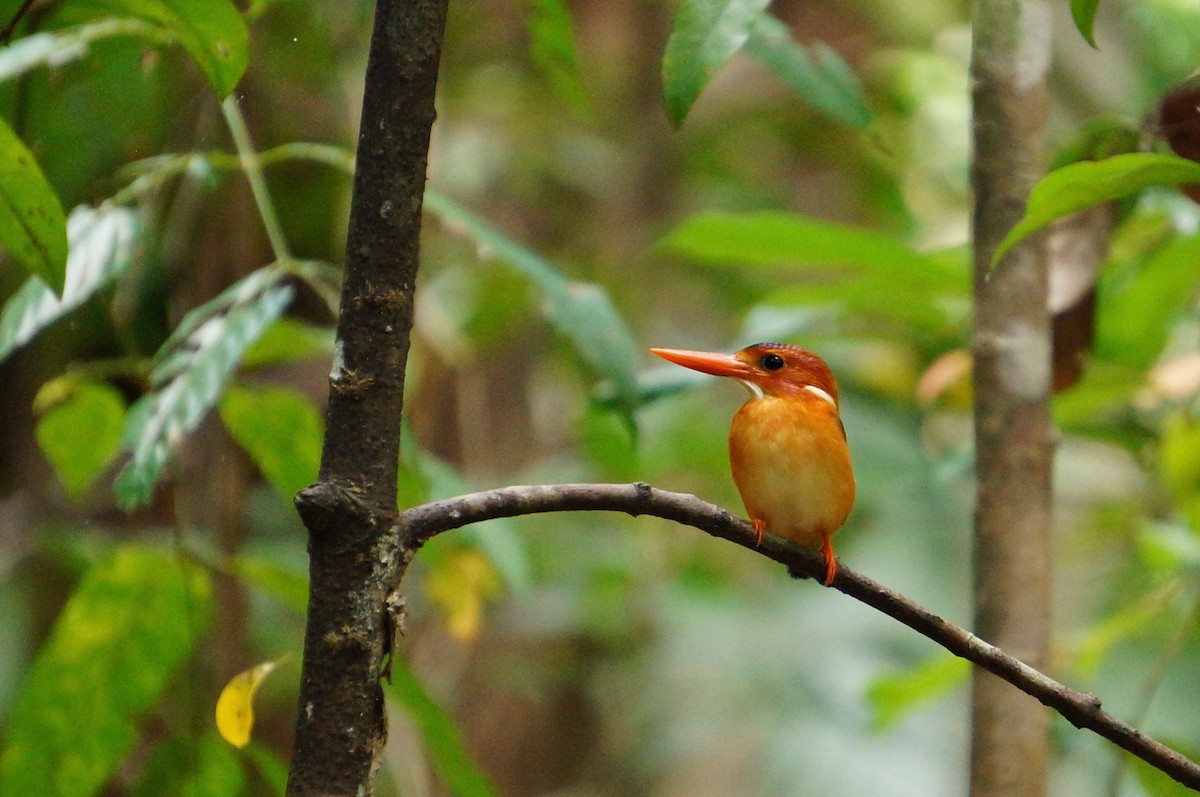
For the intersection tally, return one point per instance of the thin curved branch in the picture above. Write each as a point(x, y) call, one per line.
point(420, 523)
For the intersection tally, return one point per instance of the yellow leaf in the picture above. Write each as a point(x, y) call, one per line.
point(235, 710)
point(460, 586)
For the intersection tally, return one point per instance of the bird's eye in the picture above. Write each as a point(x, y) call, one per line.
point(772, 362)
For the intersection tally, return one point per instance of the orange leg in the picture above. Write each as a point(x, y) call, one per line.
point(760, 526)
point(830, 561)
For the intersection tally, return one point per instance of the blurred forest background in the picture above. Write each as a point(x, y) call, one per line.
point(568, 225)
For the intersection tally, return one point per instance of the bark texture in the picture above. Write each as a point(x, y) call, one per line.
point(1012, 356)
point(354, 560)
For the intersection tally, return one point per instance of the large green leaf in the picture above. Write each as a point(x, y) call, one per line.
point(204, 767)
point(705, 35)
point(187, 384)
point(773, 238)
point(1140, 307)
point(580, 311)
point(280, 429)
point(896, 694)
point(817, 73)
point(69, 44)
point(102, 241)
point(443, 742)
point(81, 434)
point(553, 50)
point(1090, 183)
point(120, 638)
point(32, 228)
point(1084, 14)
point(212, 31)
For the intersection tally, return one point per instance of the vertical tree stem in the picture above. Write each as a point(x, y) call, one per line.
point(353, 559)
point(1012, 351)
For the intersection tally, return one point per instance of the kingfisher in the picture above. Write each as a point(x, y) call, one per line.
point(787, 445)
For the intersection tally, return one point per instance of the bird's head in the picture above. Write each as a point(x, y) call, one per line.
point(766, 369)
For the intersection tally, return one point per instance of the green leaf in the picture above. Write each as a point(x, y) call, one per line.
point(443, 743)
point(131, 622)
point(207, 767)
point(893, 696)
point(1089, 183)
point(772, 238)
point(69, 44)
point(102, 241)
point(81, 435)
point(272, 770)
point(1084, 14)
point(705, 35)
point(212, 31)
point(554, 52)
point(817, 73)
point(1180, 466)
point(288, 341)
point(280, 429)
point(32, 227)
point(287, 586)
point(1140, 308)
point(580, 311)
point(187, 384)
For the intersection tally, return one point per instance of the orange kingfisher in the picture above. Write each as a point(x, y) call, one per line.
point(787, 444)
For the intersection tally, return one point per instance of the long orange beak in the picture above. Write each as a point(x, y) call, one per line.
point(706, 362)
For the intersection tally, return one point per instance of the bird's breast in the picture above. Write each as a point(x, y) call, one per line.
point(791, 464)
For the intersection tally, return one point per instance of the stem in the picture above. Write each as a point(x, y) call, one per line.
point(420, 523)
point(258, 184)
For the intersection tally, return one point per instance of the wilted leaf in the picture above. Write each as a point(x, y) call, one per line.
point(582, 312)
point(817, 73)
point(235, 705)
point(460, 585)
point(101, 244)
point(117, 643)
point(280, 429)
point(81, 434)
point(443, 742)
point(704, 36)
point(1088, 183)
point(187, 384)
point(32, 228)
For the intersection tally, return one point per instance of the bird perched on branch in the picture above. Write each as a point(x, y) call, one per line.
point(787, 445)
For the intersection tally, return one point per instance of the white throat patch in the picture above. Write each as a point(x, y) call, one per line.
point(816, 391)
point(755, 390)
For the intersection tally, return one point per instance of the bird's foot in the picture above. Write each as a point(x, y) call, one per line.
point(760, 526)
point(827, 555)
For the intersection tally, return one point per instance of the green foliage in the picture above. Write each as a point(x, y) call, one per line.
point(706, 34)
point(81, 434)
point(554, 52)
point(33, 229)
point(447, 752)
point(204, 767)
point(189, 381)
point(122, 635)
point(281, 431)
point(895, 695)
point(212, 31)
point(1180, 463)
point(582, 312)
point(1084, 14)
point(1090, 183)
point(101, 247)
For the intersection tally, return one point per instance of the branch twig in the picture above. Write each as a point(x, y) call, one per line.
point(420, 523)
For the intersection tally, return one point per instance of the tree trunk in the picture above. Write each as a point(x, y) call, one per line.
point(354, 558)
point(1012, 354)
